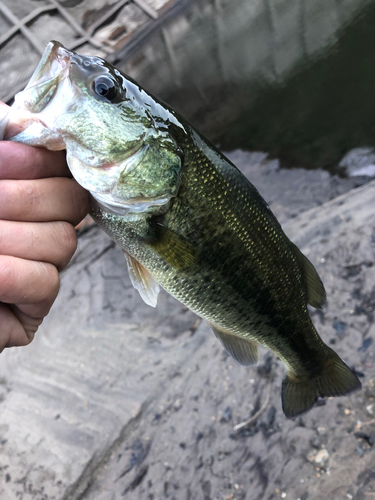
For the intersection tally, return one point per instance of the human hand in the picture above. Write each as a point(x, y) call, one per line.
point(39, 207)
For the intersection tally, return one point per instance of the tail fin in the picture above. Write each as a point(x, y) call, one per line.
point(300, 394)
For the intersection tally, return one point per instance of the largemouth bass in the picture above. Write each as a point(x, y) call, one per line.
point(185, 217)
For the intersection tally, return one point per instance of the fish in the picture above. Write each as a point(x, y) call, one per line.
point(185, 217)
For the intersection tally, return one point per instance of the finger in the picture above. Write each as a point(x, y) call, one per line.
point(53, 242)
point(17, 328)
point(43, 200)
point(19, 161)
point(33, 286)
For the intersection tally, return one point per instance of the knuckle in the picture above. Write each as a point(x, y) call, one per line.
point(52, 282)
point(27, 282)
point(29, 193)
point(81, 201)
point(19, 198)
point(66, 237)
point(7, 191)
point(33, 159)
point(7, 275)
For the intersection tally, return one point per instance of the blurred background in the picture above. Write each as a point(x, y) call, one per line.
point(116, 400)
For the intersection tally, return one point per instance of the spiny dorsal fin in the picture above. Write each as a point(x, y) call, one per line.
point(243, 351)
point(142, 281)
point(316, 295)
point(173, 248)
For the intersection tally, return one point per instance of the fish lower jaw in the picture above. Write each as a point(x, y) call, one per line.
point(19, 125)
point(124, 207)
point(37, 133)
point(15, 123)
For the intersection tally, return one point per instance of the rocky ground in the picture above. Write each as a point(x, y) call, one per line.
point(117, 400)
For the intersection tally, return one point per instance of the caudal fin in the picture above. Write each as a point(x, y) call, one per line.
point(300, 394)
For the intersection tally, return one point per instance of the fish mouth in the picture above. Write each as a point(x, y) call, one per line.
point(55, 60)
point(51, 70)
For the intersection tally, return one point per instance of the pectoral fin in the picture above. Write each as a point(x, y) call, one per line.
point(173, 248)
point(316, 295)
point(243, 351)
point(142, 281)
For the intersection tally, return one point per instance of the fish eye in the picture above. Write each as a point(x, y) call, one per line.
point(104, 86)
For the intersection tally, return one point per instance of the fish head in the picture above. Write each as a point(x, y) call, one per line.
point(118, 137)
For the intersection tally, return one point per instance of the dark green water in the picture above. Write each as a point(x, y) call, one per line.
point(320, 112)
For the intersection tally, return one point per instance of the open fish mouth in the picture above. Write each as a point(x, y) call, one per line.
point(52, 69)
point(54, 61)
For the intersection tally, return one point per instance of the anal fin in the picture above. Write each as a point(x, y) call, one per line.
point(142, 281)
point(245, 352)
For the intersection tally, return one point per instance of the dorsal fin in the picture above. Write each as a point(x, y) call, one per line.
point(316, 294)
point(243, 351)
point(142, 281)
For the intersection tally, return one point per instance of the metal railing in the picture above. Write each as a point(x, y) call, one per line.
point(20, 27)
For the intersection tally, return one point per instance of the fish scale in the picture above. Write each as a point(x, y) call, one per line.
point(185, 217)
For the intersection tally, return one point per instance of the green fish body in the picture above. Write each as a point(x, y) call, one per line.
point(185, 217)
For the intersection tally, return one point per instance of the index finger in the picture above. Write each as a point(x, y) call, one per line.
point(18, 161)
